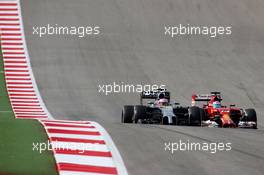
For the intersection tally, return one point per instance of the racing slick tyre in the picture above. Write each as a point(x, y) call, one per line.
point(194, 116)
point(157, 117)
point(174, 121)
point(139, 113)
point(251, 116)
point(165, 120)
point(203, 114)
point(127, 114)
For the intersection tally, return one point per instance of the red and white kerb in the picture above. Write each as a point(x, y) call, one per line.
point(22, 90)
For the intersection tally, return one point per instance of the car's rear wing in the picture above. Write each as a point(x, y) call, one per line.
point(206, 97)
point(157, 94)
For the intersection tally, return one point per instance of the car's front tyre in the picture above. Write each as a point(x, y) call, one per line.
point(127, 114)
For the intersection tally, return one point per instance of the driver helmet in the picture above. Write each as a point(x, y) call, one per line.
point(217, 104)
point(163, 102)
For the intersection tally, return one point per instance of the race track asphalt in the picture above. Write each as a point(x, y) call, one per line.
point(132, 48)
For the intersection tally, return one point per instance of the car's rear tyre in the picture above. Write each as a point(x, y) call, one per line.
point(157, 117)
point(251, 116)
point(165, 120)
point(139, 113)
point(203, 115)
point(194, 116)
point(127, 114)
point(174, 120)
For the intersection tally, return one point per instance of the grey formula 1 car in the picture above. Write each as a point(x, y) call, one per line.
point(159, 110)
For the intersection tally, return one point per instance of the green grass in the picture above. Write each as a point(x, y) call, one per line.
point(16, 141)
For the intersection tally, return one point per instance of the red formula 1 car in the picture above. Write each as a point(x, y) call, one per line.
point(213, 113)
